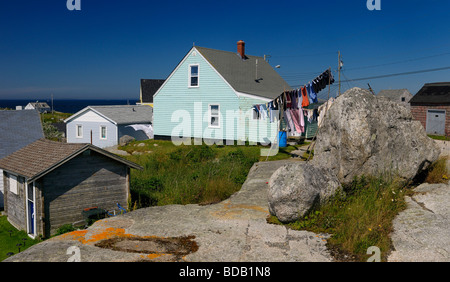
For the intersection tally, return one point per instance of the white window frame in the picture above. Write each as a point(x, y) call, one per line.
point(210, 116)
point(13, 184)
point(190, 76)
point(76, 131)
point(106, 132)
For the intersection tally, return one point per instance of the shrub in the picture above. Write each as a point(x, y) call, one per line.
point(65, 229)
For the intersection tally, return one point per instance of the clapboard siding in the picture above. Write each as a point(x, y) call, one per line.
point(83, 182)
point(16, 203)
point(259, 130)
point(91, 122)
point(175, 95)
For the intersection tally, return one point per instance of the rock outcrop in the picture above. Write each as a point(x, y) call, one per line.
point(294, 189)
point(365, 135)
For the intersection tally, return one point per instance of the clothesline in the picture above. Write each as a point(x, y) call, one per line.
point(292, 105)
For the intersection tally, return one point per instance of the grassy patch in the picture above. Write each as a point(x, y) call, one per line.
point(437, 173)
point(439, 137)
point(189, 174)
point(9, 240)
point(362, 215)
point(359, 217)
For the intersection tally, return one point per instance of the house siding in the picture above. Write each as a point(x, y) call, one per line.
point(15, 203)
point(181, 110)
point(91, 121)
point(419, 112)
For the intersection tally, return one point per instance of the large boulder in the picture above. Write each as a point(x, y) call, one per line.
point(295, 189)
point(362, 134)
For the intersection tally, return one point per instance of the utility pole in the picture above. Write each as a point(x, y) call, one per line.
point(339, 72)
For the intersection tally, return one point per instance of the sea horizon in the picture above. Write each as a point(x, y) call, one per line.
point(67, 105)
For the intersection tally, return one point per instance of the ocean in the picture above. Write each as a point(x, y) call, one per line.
point(67, 106)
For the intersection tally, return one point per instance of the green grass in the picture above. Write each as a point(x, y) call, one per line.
point(439, 137)
point(8, 240)
point(190, 174)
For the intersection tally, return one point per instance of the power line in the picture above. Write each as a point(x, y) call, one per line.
point(399, 62)
point(397, 74)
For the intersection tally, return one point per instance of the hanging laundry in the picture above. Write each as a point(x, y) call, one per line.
point(305, 98)
point(313, 94)
point(296, 120)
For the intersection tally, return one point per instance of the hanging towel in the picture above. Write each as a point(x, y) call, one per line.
point(296, 120)
point(305, 99)
point(313, 94)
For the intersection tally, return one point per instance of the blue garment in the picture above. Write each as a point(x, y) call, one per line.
point(312, 94)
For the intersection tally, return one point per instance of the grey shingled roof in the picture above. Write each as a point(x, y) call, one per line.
point(122, 114)
point(243, 75)
point(432, 93)
point(393, 93)
point(18, 129)
point(42, 156)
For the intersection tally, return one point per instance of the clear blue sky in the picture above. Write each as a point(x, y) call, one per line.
point(105, 49)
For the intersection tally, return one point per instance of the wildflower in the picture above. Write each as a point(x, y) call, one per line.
point(370, 229)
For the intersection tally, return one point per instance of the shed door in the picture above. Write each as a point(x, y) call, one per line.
point(436, 122)
point(31, 210)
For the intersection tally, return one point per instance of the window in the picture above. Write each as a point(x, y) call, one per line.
point(214, 113)
point(13, 184)
point(403, 99)
point(193, 75)
point(79, 131)
point(102, 132)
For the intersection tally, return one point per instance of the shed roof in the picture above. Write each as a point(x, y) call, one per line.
point(148, 88)
point(18, 129)
point(433, 93)
point(245, 75)
point(121, 114)
point(393, 93)
point(42, 156)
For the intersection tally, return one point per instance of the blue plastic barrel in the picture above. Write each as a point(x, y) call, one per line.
point(282, 139)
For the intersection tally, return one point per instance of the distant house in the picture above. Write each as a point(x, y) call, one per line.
point(148, 89)
point(17, 129)
point(401, 96)
point(103, 126)
point(41, 107)
point(211, 93)
point(431, 106)
point(49, 184)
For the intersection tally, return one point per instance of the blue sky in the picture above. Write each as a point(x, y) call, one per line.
point(104, 50)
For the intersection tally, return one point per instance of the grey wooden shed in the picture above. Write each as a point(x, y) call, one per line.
point(49, 184)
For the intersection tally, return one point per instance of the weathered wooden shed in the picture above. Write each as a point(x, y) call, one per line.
point(49, 184)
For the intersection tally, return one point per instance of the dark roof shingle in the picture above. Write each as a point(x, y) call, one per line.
point(18, 129)
point(43, 155)
point(148, 88)
point(433, 93)
point(245, 75)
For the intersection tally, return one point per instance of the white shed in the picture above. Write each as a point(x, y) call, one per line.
point(103, 126)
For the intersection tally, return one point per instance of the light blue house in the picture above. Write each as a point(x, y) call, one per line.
point(210, 96)
point(103, 126)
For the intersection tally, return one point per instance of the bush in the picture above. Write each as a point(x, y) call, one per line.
point(65, 229)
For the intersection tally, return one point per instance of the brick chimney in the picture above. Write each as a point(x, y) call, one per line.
point(241, 48)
